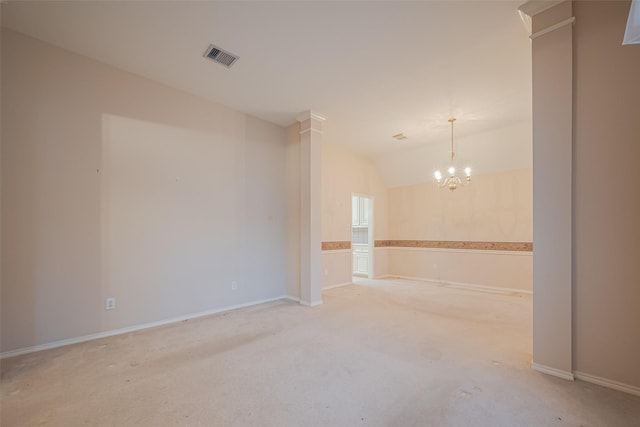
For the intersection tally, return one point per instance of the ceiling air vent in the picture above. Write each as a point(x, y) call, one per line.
point(220, 56)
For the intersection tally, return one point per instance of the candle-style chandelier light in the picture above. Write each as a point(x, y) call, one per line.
point(452, 181)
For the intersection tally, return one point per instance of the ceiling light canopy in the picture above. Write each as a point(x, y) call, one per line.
point(452, 181)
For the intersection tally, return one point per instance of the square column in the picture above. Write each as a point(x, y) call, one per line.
point(552, 74)
point(310, 209)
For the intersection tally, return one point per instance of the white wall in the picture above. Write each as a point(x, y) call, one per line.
point(113, 185)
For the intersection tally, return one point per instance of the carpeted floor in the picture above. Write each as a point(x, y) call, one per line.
point(392, 353)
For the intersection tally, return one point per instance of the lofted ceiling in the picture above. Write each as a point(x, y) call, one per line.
point(372, 68)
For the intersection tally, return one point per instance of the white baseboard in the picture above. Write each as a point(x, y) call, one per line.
point(302, 302)
point(565, 375)
point(336, 251)
point(135, 328)
point(460, 285)
point(616, 385)
point(337, 286)
point(311, 303)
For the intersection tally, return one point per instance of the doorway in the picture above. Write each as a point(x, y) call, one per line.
point(362, 242)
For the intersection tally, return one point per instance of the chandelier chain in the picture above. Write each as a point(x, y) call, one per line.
point(452, 181)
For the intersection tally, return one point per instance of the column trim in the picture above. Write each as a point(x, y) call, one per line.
point(310, 208)
point(532, 8)
point(554, 27)
point(310, 129)
point(310, 115)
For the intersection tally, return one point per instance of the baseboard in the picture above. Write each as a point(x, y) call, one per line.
point(565, 375)
point(336, 251)
point(616, 385)
point(460, 285)
point(492, 289)
point(302, 302)
point(311, 303)
point(135, 328)
point(339, 285)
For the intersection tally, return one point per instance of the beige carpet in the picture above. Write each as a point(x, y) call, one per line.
point(393, 353)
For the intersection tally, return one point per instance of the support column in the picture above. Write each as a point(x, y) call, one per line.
point(310, 210)
point(552, 78)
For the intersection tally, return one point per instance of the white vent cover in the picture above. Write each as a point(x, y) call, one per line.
point(220, 56)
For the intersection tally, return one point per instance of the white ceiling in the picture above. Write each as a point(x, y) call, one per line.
point(373, 69)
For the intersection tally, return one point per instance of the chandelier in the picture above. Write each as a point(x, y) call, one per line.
point(452, 181)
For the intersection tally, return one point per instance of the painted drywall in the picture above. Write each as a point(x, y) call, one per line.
point(337, 268)
point(498, 150)
point(495, 207)
point(114, 185)
point(509, 271)
point(310, 209)
point(552, 186)
point(606, 206)
point(292, 169)
point(344, 173)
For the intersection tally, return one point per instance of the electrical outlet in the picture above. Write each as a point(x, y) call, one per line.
point(234, 285)
point(326, 271)
point(110, 304)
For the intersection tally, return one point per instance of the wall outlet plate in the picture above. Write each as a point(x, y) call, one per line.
point(234, 285)
point(110, 304)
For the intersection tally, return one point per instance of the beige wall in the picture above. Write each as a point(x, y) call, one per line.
point(511, 271)
point(336, 267)
point(498, 150)
point(552, 186)
point(606, 205)
point(113, 185)
point(494, 208)
point(586, 145)
point(343, 173)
